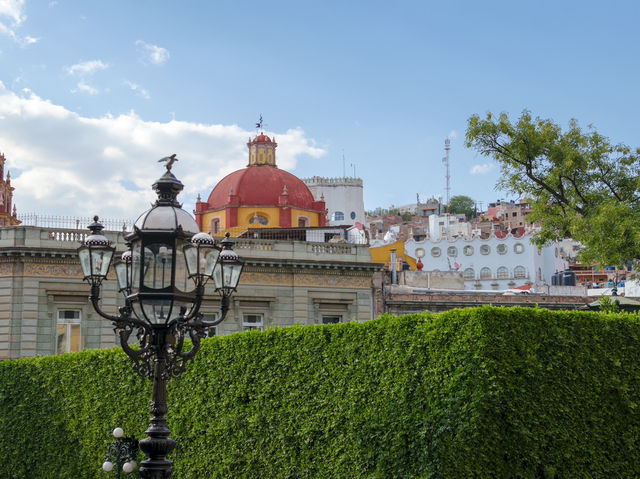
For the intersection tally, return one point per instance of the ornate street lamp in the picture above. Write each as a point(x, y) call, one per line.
point(162, 277)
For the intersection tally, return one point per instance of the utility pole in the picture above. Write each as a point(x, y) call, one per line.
point(445, 160)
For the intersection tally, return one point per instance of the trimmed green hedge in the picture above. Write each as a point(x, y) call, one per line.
point(486, 392)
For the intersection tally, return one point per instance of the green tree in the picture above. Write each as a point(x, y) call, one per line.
point(579, 183)
point(461, 204)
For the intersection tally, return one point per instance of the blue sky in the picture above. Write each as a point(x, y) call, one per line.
point(93, 93)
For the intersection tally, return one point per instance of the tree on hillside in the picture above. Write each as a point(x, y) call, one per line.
point(579, 183)
point(461, 204)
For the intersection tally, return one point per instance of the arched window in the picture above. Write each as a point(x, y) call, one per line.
point(258, 219)
point(503, 272)
point(469, 274)
point(337, 216)
point(519, 272)
point(485, 273)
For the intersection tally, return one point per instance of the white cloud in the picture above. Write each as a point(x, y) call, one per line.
point(11, 18)
point(87, 68)
point(143, 92)
point(86, 88)
point(65, 164)
point(482, 169)
point(14, 10)
point(153, 53)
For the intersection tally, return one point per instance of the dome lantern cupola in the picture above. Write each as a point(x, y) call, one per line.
point(262, 151)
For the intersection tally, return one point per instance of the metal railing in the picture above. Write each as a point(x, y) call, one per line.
point(72, 222)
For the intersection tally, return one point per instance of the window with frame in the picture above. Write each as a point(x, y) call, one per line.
point(436, 252)
point(518, 248)
point(452, 251)
point(503, 272)
point(337, 216)
point(211, 332)
point(331, 318)
point(469, 274)
point(519, 272)
point(303, 221)
point(501, 248)
point(485, 249)
point(485, 273)
point(468, 250)
point(68, 338)
point(253, 321)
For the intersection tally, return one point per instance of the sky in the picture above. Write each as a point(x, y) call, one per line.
point(92, 94)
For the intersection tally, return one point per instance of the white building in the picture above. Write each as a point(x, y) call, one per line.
point(343, 197)
point(449, 226)
point(498, 262)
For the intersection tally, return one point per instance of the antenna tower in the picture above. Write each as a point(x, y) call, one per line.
point(445, 160)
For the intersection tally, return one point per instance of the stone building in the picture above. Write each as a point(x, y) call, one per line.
point(44, 307)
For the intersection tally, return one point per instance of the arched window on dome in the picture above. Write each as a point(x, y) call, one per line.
point(258, 220)
point(337, 216)
point(303, 221)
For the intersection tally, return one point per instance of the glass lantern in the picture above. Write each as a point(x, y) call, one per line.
point(95, 254)
point(227, 272)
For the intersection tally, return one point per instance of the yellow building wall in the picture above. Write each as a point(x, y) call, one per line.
point(382, 254)
point(207, 217)
point(272, 214)
point(245, 215)
point(313, 217)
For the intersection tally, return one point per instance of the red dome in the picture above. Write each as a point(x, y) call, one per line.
point(262, 137)
point(260, 186)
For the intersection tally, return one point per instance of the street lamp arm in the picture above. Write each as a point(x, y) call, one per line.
point(95, 301)
point(224, 309)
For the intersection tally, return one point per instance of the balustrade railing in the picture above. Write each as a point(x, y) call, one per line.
point(72, 222)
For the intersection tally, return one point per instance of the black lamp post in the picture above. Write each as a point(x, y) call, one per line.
point(162, 277)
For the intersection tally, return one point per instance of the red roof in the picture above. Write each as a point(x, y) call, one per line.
point(261, 186)
point(262, 137)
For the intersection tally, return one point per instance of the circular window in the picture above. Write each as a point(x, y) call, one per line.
point(518, 248)
point(353, 215)
point(435, 252)
point(468, 250)
point(420, 252)
point(452, 251)
point(484, 249)
point(501, 248)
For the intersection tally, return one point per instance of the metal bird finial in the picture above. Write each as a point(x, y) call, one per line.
point(169, 160)
point(259, 124)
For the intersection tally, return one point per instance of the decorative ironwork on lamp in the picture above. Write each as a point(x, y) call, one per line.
point(162, 277)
